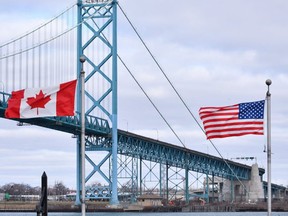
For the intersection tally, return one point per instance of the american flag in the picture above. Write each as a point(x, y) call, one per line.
point(235, 120)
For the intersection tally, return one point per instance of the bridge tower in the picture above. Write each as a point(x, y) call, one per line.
point(97, 42)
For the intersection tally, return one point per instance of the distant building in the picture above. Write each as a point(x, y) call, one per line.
point(4, 196)
point(145, 201)
point(148, 200)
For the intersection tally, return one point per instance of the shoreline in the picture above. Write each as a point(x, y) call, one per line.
point(69, 206)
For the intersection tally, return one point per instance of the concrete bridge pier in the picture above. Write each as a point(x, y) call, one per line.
point(231, 190)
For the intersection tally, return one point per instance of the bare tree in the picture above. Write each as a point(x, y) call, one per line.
point(59, 189)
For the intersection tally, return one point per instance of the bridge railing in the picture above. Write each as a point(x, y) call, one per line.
point(70, 124)
point(94, 125)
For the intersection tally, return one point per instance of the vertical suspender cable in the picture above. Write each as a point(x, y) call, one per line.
point(62, 49)
point(7, 74)
point(58, 75)
point(56, 55)
point(50, 53)
point(27, 62)
point(39, 61)
point(33, 63)
point(179, 96)
point(45, 58)
point(13, 66)
point(20, 66)
point(67, 51)
point(73, 69)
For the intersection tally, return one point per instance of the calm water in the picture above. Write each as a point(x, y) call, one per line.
point(156, 214)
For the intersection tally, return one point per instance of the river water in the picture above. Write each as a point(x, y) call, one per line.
point(155, 214)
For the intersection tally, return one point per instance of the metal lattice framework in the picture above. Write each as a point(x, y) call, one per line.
point(135, 147)
point(161, 152)
point(98, 19)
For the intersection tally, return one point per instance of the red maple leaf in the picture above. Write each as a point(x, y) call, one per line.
point(39, 101)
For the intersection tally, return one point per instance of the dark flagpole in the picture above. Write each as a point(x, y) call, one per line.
point(268, 98)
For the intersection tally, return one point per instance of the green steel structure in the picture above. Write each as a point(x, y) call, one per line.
point(138, 150)
point(96, 20)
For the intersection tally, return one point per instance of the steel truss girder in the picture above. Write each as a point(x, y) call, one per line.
point(161, 152)
point(149, 149)
point(176, 179)
point(128, 176)
point(274, 189)
point(139, 146)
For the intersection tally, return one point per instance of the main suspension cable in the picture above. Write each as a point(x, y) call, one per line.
point(179, 96)
point(151, 101)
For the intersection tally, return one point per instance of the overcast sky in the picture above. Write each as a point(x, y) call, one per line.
point(215, 52)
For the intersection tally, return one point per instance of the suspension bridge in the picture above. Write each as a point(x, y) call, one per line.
point(50, 54)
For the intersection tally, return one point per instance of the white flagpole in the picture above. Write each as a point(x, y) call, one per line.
point(83, 207)
point(268, 98)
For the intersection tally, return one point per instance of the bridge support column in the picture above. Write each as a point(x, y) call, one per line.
point(232, 190)
point(213, 188)
point(140, 176)
point(187, 196)
point(207, 188)
point(94, 18)
point(163, 180)
point(167, 182)
point(134, 179)
point(114, 198)
point(255, 185)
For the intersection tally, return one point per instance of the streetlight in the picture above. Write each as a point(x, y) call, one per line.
point(157, 133)
point(268, 98)
point(82, 74)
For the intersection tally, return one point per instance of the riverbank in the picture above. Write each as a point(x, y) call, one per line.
point(69, 206)
point(237, 207)
point(53, 206)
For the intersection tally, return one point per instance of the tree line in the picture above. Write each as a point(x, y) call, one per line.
point(16, 189)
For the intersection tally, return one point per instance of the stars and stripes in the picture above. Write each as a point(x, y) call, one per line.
point(235, 120)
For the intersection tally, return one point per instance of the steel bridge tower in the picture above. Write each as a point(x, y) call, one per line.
point(97, 42)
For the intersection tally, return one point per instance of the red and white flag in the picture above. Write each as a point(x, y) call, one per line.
point(42, 102)
point(235, 120)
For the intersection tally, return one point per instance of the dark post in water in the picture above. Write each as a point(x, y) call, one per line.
point(41, 208)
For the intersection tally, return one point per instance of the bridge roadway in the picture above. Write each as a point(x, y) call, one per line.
point(134, 145)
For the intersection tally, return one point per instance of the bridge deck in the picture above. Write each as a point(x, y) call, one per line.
point(154, 150)
point(70, 124)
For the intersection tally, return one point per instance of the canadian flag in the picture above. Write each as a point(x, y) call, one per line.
point(42, 102)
